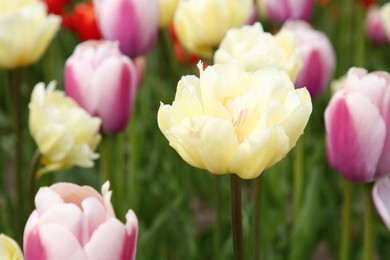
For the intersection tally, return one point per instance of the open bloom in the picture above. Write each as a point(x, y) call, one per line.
point(9, 249)
point(76, 222)
point(103, 81)
point(319, 58)
point(133, 23)
point(374, 24)
point(66, 134)
point(232, 121)
point(25, 32)
point(279, 11)
point(357, 122)
point(201, 24)
point(252, 48)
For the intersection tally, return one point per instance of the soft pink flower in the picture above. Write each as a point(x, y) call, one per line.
point(374, 26)
point(102, 81)
point(318, 57)
point(357, 122)
point(76, 222)
point(381, 197)
point(134, 23)
point(279, 11)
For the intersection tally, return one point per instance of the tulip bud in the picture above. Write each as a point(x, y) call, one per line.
point(103, 81)
point(358, 126)
point(25, 31)
point(76, 222)
point(133, 23)
point(318, 57)
point(279, 11)
point(374, 26)
point(9, 249)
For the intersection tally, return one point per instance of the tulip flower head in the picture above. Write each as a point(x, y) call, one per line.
point(9, 249)
point(167, 10)
point(76, 222)
point(374, 26)
point(201, 24)
point(25, 32)
point(279, 11)
point(385, 18)
point(103, 81)
point(66, 134)
point(319, 58)
point(252, 48)
point(133, 23)
point(358, 126)
point(230, 121)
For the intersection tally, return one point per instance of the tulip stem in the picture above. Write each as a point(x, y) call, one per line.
point(346, 222)
point(298, 172)
point(256, 220)
point(369, 239)
point(105, 162)
point(235, 203)
point(217, 208)
point(33, 176)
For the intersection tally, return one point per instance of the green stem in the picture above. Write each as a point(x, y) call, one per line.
point(256, 220)
point(369, 238)
point(217, 208)
point(298, 173)
point(235, 204)
point(33, 176)
point(105, 159)
point(346, 222)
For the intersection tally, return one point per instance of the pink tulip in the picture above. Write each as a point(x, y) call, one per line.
point(357, 122)
point(374, 26)
point(102, 81)
point(381, 197)
point(318, 57)
point(279, 11)
point(74, 222)
point(134, 23)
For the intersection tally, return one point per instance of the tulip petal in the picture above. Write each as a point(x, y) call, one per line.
point(60, 244)
point(255, 154)
point(45, 199)
point(381, 197)
point(356, 132)
point(33, 248)
point(94, 215)
point(130, 243)
point(108, 239)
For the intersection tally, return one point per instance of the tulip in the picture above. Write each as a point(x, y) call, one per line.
point(201, 24)
point(374, 26)
point(56, 6)
point(318, 56)
point(230, 121)
point(21, 20)
point(279, 11)
point(103, 82)
point(167, 10)
point(357, 122)
point(9, 249)
point(381, 196)
point(76, 222)
point(252, 48)
point(134, 23)
point(66, 134)
point(385, 15)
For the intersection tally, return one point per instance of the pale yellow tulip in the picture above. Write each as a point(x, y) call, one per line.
point(201, 24)
point(9, 249)
point(385, 15)
point(65, 133)
point(25, 32)
point(232, 121)
point(167, 11)
point(252, 48)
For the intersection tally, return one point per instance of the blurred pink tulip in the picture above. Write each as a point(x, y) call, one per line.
point(102, 81)
point(279, 11)
point(357, 122)
point(318, 57)
point(74, 222)
point(374, 26)
point(134, 23)
point(381, 197)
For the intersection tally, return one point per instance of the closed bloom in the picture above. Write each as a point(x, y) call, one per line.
point(9, 249)
point(385, 17)
point(76, 222)
point(201, 24)
point(279, 11)
point(134, 23)
point(167, 11)
point(252, 48)
point(319, 58)
point(357, 122)
point(103, 81)
point(232, 121)
point(374, 26)
point(66, 134)
point(25, 32)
